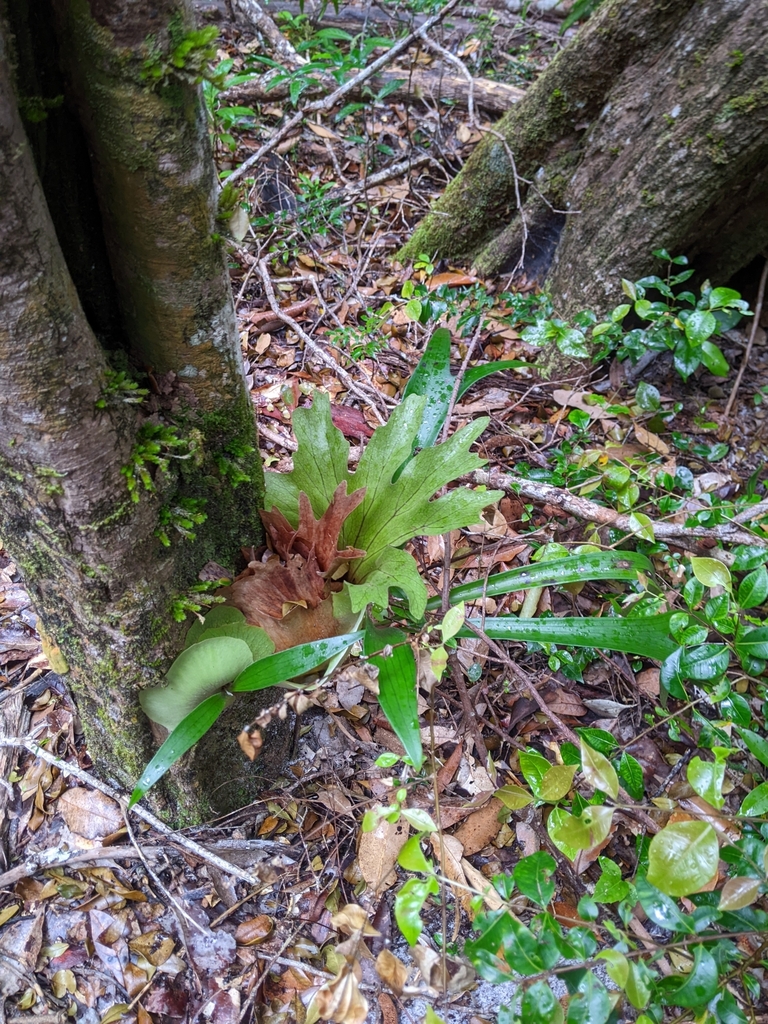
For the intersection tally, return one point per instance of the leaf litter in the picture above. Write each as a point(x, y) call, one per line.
point(169, 937)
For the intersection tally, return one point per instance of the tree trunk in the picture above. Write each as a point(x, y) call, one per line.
point(650, 130)
point(105, 562)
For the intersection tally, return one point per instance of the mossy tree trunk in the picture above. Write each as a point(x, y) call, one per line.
point(111, 263)
point(649, 130)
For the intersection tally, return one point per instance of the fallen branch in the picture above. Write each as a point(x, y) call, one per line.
point(27, 743)
point(582, 508)
point(430, 84)
point(330, 101)
point(368, 394)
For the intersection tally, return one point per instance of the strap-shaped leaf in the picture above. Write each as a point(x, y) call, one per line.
point(295, 661)
point(433, 379)
point(184, 736)
point(648, 637)
point(393, 513)
point(319, 465)
point(596, 565)
point(397, 687)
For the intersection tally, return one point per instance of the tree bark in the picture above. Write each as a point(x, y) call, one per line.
point(101, 580)
point(649, 130)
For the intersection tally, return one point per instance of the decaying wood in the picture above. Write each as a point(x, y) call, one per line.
point(582, 508)
point(431, 86)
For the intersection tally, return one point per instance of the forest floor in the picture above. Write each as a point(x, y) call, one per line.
point(154, 930)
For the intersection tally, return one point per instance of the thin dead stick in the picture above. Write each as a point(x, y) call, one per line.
point(371, 396)
point(451, 58)
point(589, 511)
point(258, 19)
point(56, 858)
point(27, 743)
point(752, 334)
point(178, 907)
point(386, 174)
point(518, 199)
point(328, 102)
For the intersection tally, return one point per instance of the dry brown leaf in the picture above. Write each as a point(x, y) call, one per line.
point(480, 828)
point(483, 885)
point(392, 971)
point(254, 931)
point(648, 682)
point(90, 813)
point(449, 854)
point(378, 850)
point(341, 999)
point(651, 440)
point(563, 702)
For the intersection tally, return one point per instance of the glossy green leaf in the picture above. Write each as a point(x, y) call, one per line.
point(397, 687)
point(219, 615)
point(598, 770)
point(753, 643)
point(596, 565)
point(478, 373)
point(419, 819)
point(610, 886)
point(711, 572)
point(631, 774)
point(408, 904)
point(638, 987)
point(699, 326)
point(584, 832)
point(199, 671)
point(683, 857)
point(558, 824)
point(662, 910)
point(540, 1005)
point(513, 797)
point(713, 359)
point(293, 662)
point(185, 735)
point(740, 892)
point(590, 1003)
point(411, 856)
point(617, 966)
point(534, 767)
point(695, 989)
point(557, 782)
point(452, 622)
point(648, 637)
point(756, 744)
point(753, 589)
point(641, 526)
point(755, 804)
point(706, 778)
point(532, 876)
point(433, 379)
point(705, 663)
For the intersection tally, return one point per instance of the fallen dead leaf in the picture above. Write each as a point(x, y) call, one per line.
point(377, 853)
point(89, 813)
point(392, 971)
point(480, 828)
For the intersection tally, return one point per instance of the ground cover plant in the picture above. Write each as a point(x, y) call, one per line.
point(520, 621)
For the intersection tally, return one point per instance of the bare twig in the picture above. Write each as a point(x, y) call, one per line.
point(257, 18)
point(431, 44)
point(56, 857)
point(27, 743)
point(366, 394)
point(328, 102)
point(752, 334)
point(679, 533)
